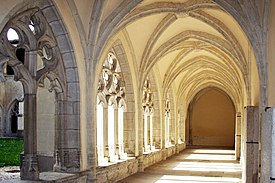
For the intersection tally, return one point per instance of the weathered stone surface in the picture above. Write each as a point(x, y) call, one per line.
point(268, 118)
point(251, 174)
point(252, 120)
point(252, 145)
point(116, 172)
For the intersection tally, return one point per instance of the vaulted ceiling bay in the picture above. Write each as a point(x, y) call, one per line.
point(190, 46)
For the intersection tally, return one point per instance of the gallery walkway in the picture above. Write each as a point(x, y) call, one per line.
point(193, 165)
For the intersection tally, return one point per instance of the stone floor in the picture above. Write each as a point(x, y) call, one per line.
point(193, 165)
point(9, 172)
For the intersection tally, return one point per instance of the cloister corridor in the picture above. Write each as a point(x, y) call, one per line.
point(139, 91)
point(193, 165)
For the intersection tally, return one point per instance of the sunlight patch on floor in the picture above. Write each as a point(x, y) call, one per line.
point(213, 151)
point(210, 157)
point(206, 167)
point(173, 178)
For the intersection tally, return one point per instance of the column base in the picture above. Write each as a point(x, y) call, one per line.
point(123, 156)
point(102, 161)
point(114, 158)
point(67, 160)
point(29, 169)
point(147, 148)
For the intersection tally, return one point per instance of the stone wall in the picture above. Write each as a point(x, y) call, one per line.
point(45, 127)
point(117, 171)
point(152, 158)
point(181, 147)
point(121, 170)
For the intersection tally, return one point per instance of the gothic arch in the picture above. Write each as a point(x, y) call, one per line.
point(129, 101)
point(229, 49)
point(233, 8)
point(51, 42)
point(207, 62)
point(169, 96)
point(172, 44)
point(157, 111)
point(112, 24)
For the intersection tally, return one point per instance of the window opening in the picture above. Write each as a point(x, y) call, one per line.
point(110, 112)
point(167, 122)
point(147, 104)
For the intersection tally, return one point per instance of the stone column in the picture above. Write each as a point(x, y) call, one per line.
point(116, 131)
point(148, 132)
point(145, 131)
point(29, 170)
point(251, 119)
point(151, 132)
point(59, 135)
point(272, 177)
point(105, 131)
point(168, 129)
point(238, 136)
point(178, 129)
point(267, 146)
point(122, 155)
point(140, 139)
point(157, 131)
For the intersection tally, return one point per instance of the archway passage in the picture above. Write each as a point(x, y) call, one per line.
point(51, 121)
point(212, 119)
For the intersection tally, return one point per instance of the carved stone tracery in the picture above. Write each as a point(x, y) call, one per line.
point(111, 85)
point(36, 38)
point(33, 36)
point(147, 100)
point(167, 109)
point(148, 110)
point(167, 105)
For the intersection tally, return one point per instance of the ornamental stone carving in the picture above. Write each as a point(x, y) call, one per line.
point(147, 100)
point(111, 85)
point(33, 35)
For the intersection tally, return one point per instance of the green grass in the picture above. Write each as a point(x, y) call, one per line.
point(10, 149)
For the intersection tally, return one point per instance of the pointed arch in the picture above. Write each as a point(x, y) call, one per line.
point(51, 42)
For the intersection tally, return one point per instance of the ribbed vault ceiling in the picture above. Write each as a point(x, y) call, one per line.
point(192, 44)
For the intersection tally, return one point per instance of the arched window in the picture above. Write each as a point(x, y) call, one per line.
point(148, 111)
point(167, 122)
point(16, 118)
point(31, 53)
point(111, 106)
